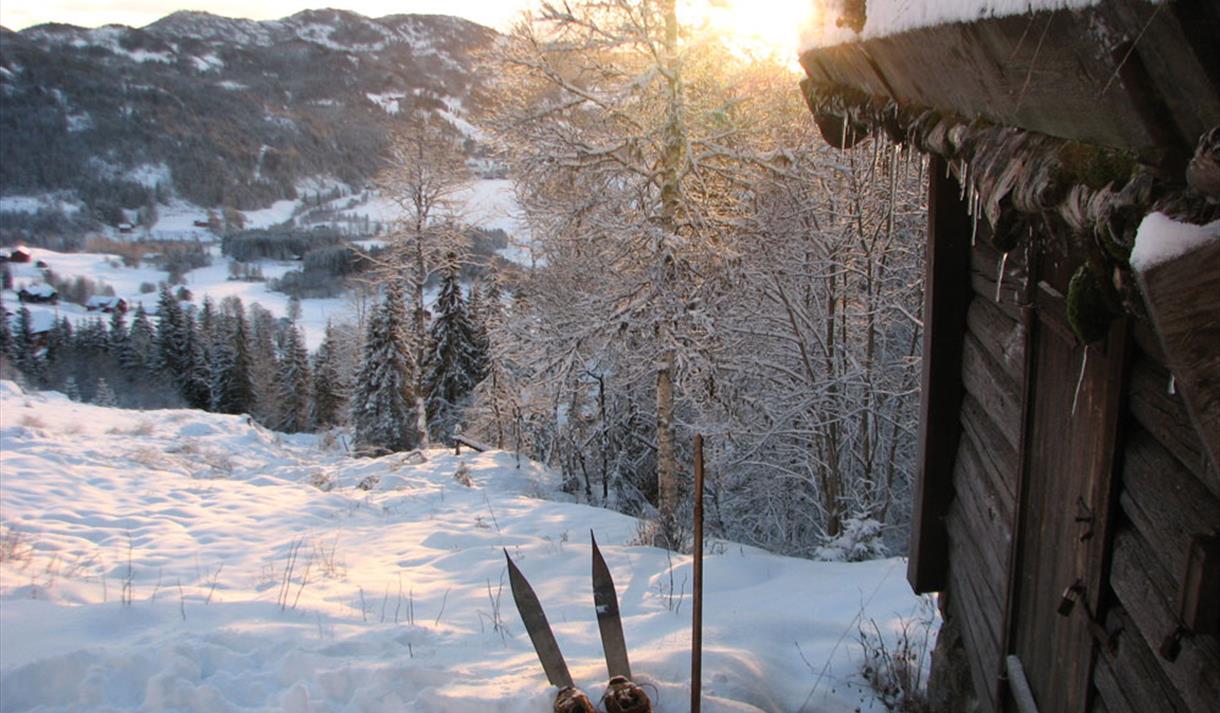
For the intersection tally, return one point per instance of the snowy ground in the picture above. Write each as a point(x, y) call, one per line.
point(488, 203)
point(210, 281)
point(148, 564)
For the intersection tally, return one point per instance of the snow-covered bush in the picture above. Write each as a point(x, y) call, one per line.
point(859, 540)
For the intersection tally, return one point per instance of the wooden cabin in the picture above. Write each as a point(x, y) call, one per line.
point(107, 304)
point(38, 293)
point(1068, 499)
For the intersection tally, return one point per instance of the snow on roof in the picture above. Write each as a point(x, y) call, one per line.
point(1161, 239)
point(891, 17)
point(40, 289)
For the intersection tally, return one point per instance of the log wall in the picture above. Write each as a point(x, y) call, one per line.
point(981, 517)
point(1165, 497)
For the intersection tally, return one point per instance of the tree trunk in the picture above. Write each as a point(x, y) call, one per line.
point(421, 336)
point(667, 463)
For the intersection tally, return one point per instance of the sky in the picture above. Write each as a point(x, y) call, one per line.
point(769, 26)
point(19, 14)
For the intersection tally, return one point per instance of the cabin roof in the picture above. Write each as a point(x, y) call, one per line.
point(39, 289)
point(1126, 74)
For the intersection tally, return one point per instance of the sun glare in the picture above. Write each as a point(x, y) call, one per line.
point(757, 27)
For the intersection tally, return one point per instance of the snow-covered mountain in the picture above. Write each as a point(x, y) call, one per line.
point(219, 111)
point(178, 560)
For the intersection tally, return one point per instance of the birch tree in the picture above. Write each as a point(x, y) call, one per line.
point(615, 125)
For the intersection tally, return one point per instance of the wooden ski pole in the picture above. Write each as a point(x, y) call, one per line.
point(696, 646)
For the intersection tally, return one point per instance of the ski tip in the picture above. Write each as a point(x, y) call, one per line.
point(592, 538)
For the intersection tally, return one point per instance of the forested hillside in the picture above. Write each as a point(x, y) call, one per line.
point(220, 112)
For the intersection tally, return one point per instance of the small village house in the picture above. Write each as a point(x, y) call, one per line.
point(20, 254)
point(38, 293)
point(106, 304)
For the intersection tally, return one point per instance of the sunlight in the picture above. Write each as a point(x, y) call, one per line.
point(756, 27)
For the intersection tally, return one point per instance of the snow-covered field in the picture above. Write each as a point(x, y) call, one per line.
point(177, 560)
point(212, 281)
point(488, 203)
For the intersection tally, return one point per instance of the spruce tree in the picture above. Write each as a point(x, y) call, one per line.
point(169, 349)
point(6, 332)
point(71, 389)
point(292, 384)
point(25, 348)
point(263, 364)
point(476, 313)
point(118, 332)
point(452, 367)
point(178, 351)
point(194, 382)
point(329, 390)
point(382, 404)
point(103, 395)
point(137, 354)
point(231, 389)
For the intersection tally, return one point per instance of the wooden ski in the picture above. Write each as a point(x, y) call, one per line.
point(622, 694)
point(570, 699)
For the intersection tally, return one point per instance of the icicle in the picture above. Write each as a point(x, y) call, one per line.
point(1173, 385)
point(961, 177)
point(843, 133)
point(1080, 381)
point(974, 214)
point(999, 278)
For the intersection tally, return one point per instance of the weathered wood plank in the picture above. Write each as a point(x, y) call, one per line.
point(1001, 335)
point(980, 503)
point(970, 607)
point(1064, 443)
point(994, 390)
point(994, 451)
point(1133, 661)
point(1043, 71)
point(1183, 299)
point(1195, 673)
point(985, 264)
point(1165, 502)
point(1164, 416)
point(946, 298)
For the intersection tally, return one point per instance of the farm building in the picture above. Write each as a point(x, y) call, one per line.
point(106, 303)
point(20, 254)
point(1068, 497)
point(38, 293)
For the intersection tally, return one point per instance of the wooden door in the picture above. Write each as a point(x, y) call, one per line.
point(1069, 444)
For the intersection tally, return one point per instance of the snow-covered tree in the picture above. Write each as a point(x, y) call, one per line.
point(139, 352)
point(292, 383)
point(103, 395)
point(425, 170)
point(383, 400)
point(25, 349)
point(263, 363)
point(453, 364)
point(618, 125)
point(118, 332)
point(71, 389)
point(232, 390)
point(178, 355)
point(329, 385)
point(6, 333)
